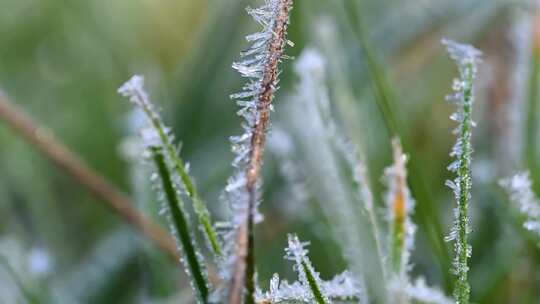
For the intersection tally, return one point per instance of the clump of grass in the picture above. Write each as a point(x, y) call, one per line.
point(466, 58)
point(236, 260)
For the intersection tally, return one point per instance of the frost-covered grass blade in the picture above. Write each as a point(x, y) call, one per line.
point(466, 58)
point(134, 90)
point(297, 253)
point(400, 206)
point(179, 226)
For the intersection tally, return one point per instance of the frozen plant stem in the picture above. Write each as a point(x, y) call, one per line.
point(261, 66)
point(466, 58)
point(134, 89)
point(180, 226)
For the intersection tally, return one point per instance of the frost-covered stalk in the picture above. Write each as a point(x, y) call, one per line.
point(179, 226)
point(466, 57)
point(306, 273)
point(261, 65)
point(400, 206)
point(519, 189)
point(134, 90)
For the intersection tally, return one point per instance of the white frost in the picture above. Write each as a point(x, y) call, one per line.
point(519, 188)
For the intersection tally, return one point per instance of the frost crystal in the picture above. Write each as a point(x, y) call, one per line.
point(345, 286)
point(463, 54)
point(155, 134)
point(519, 188)
point(307, 275)
point(282, 291)
point(419, 291)
point(466, 58)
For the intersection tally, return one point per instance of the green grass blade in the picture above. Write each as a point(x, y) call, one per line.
point(296, 252)
point(134, 89)
point(180, 225)
point(386, 101)
point(466, 58)
point(199, 206)
point(313, 286)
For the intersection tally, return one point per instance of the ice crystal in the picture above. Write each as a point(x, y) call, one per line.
point(345, 286)
point(519, 189)
point(134, 90)
point(463, 54)
point(466, 58)
point(421, 292)
point(307, 275)
point(282, 291)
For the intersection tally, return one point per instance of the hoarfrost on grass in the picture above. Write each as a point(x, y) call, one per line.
point(400, 206)
point(157, 134)
point(423, 293)
point(307, 275)
point(260, 64)
point(519, 189)
point(466, 57)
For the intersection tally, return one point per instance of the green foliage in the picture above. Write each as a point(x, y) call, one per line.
point(62, 62)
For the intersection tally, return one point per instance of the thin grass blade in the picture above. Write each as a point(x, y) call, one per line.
point(178, 218)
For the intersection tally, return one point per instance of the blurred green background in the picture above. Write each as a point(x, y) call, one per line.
point(62, 61)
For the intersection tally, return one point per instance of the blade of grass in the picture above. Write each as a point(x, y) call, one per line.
point(179, 223)
point(313, 286)
point(296, 252)
point(385, 98)
point(466, 58)
point(134, 89)
point(400, 206)
point(56, 152)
